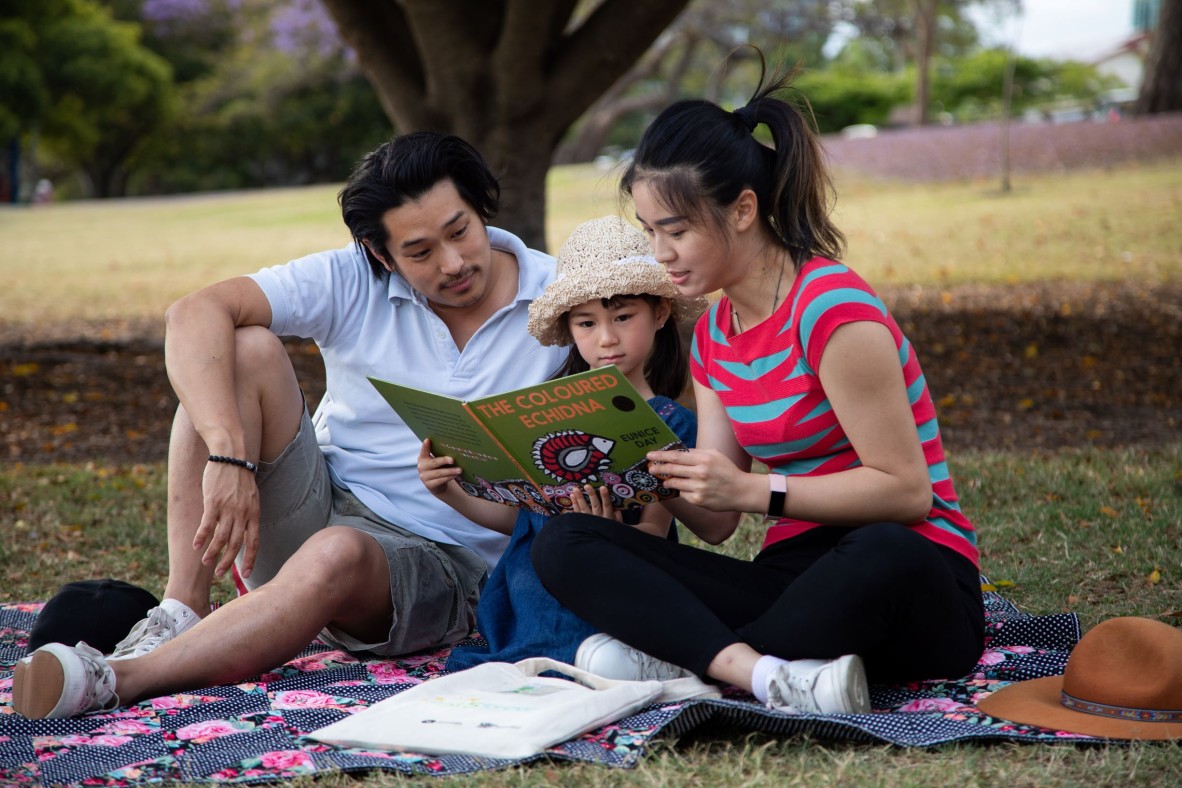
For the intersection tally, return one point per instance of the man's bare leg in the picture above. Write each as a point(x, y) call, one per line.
point(271, 406)
point(340, 576)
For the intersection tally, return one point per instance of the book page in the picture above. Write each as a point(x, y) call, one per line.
point(446, 421)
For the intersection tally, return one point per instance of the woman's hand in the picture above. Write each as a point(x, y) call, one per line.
point(708, 478)
point(436, 473)
point(596, 501)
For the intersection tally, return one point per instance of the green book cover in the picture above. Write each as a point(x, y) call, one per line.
point(533, 447)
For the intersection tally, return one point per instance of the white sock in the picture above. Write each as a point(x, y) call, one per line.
point(766, 664)
point(181, 613)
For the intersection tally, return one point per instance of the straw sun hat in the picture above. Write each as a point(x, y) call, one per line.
point(1123, 680)
point(602, 258)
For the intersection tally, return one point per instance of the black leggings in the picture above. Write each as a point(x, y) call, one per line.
point(910, 608)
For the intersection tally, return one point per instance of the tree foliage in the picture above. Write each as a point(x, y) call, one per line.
point(841, 97)
point(898, 33)
point(281, 102)
point(111, 93)
point(21, 83)
point(970, 87)
point(83, 83)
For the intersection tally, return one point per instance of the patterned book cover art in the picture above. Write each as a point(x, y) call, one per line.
point(534, 447)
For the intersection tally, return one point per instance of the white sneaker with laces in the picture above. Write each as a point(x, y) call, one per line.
point(162, 624)
point(605, 656)
point(819, 686)
point(58, 680)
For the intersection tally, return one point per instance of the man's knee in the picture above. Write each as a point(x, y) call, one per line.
point(257, 352)
point(270, 401)
point(335, 557)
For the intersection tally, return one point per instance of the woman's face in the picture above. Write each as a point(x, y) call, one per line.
point(693, 253)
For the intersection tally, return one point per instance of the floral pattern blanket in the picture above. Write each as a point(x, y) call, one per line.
point(256, 731)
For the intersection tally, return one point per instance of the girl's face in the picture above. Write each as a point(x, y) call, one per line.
point(694, 254)
point(621, 333)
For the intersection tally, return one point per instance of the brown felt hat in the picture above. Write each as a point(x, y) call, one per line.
point(1122, 681)
point(602, 258)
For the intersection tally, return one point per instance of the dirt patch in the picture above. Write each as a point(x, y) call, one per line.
point(1030, 367)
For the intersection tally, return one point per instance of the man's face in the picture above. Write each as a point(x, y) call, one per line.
point(439, 245)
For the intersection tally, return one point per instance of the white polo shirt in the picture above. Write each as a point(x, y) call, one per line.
point(366, 326)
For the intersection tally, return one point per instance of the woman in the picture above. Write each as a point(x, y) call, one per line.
point(868, 568)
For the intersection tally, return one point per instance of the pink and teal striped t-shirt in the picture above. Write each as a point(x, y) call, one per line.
point(766, 378)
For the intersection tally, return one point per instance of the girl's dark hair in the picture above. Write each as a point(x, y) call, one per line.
point(698, 157)
point(403, 170)
point(667, 366)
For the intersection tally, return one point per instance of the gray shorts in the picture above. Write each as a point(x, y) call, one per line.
point(434, 586)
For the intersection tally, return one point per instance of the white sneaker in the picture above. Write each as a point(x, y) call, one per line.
point(605, 656)
point(162, 624)
point(819, 686)
point(58, 680)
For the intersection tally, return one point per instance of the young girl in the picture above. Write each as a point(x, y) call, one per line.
point(868, 565)
point(613, 304)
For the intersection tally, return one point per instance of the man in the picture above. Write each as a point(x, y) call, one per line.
point(333, 533)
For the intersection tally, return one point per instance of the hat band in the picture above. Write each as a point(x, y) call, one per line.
point(1118, 712)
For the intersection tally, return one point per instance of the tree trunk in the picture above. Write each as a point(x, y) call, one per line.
point(925, 40)
point(13, 172)
point(523, 178)
point(510, 77)
point(1161, 89)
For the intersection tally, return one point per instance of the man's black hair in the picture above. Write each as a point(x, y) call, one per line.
point(403, 170)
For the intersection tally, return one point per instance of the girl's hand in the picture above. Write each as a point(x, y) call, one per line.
point(436, 472)
point(705, 477)
point(596, 501)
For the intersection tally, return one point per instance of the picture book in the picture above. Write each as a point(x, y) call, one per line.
point(534, 447)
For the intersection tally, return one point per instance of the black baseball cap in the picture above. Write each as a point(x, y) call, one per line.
point(99, 612)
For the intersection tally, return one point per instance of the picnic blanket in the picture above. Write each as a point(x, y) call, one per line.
point(255, 731)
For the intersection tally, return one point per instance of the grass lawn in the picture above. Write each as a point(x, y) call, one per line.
point(1084, 531)
point(1081, 530)
point(132, 258)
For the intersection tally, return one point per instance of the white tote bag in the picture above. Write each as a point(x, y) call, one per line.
point(501, 710)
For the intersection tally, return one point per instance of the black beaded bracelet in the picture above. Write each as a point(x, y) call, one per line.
point(247, 464)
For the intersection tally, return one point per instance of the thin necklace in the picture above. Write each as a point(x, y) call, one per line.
point(775, 300)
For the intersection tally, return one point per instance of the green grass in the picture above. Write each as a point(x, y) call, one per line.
point(1084, 226)
point(1076, 531)
point(1081, 530)
point(108, 260)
